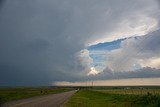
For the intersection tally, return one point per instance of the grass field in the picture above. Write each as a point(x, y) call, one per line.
point(9, 94)
point(92, 98)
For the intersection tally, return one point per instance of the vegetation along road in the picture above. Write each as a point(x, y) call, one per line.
point(53, 100)
point(106, 98)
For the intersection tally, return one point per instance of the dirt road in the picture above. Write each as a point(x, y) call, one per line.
point(54, 100)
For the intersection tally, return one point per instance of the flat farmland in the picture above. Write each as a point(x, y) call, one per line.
point(131, 91)
point(115, 98)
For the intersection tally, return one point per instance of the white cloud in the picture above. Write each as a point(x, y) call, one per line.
point(138, 25)
point(143, 51)
point(84, 57)
point(85, 60)
point(135, 18)
point(151, 62)
point(93, 71)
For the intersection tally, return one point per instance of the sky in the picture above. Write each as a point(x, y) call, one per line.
point(55, 42)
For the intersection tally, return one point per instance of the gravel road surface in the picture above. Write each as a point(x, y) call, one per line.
point(54, 100)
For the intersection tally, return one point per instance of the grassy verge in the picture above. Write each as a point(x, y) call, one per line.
point(88, 98)
point(9, 94)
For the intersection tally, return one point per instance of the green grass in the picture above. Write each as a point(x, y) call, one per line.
point(89, 98)
point(9, 94)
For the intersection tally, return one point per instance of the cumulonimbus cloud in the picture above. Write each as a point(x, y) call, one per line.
point(39, 38)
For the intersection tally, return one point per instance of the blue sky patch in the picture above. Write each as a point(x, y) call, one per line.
point(108, 46)
point(98, 52)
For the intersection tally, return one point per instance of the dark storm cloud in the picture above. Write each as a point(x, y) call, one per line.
point(1, 2)
point(158, 2)
point(150, 43)
point(39, 38)
point(34, 47)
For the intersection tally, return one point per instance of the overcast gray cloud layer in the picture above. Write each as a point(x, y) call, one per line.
point(39, 38)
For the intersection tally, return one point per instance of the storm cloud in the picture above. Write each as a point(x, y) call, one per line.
point(39, 39)
point(136, 52)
